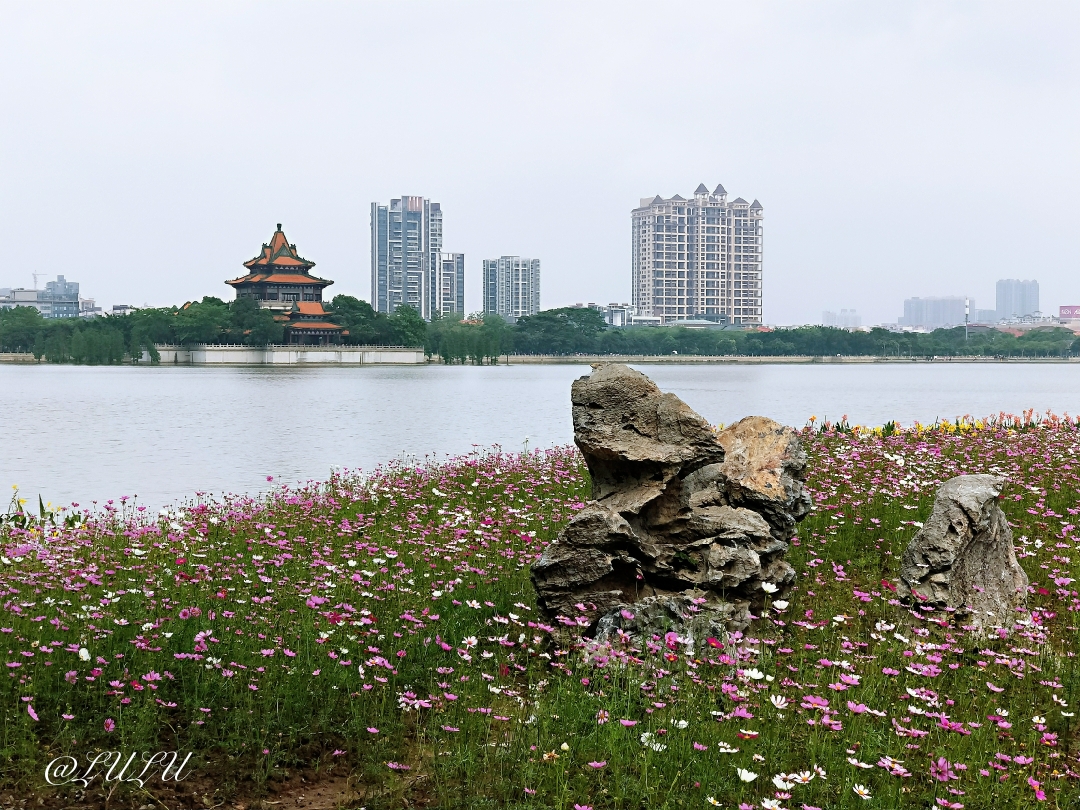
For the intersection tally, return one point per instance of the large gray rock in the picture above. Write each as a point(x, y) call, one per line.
point(963, 556)
point(686, 524)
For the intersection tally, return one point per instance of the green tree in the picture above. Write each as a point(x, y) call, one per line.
point(203, 322)
point(407, 328)
point(252, 325)
point(559, 331)
point(19, 328)
point(358, 318)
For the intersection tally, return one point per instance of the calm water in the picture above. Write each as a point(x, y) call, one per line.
point(80, 434)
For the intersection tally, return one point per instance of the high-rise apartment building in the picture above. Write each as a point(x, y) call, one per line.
point(512, 286)
point(698, 258)
point(1016, 298)
point(936, 312)
point(449, 285)
point(406, 240)
point(847, 319)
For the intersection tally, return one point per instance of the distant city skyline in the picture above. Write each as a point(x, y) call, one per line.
point(850, 116)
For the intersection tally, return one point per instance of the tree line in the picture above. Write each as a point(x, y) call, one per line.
point(483, 338)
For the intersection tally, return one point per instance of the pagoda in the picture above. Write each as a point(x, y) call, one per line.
point(280, 280)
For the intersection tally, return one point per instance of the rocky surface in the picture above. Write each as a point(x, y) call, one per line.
point(687, 528)
point(963, 556)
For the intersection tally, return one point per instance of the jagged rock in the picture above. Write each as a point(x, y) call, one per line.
point(963, 556)
point(686, 524)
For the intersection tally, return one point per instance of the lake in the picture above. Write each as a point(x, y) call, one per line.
point(76, 433)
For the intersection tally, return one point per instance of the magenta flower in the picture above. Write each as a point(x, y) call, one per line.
point(628, 723)
point(942, 770)
point(30, 711)
point(110, 726)
point(598, 765)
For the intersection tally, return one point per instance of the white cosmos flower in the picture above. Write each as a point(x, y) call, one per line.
point(681, 724)
point(756, 674)
point(84, 654)
point(862, 791)
point(473, 604)
point(781, 782)
point(768, 587)
point(724, 748)
point(779, 701)
point(858, 763)
point(1038, 720)
point(802, 777)
point(780, 604)
point(745, 775)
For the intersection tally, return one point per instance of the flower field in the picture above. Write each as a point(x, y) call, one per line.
point(383, 628)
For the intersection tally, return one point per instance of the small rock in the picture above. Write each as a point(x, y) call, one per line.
point(963, 557)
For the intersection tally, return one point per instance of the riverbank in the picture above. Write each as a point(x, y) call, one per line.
point(376, 355)
point(555, 359)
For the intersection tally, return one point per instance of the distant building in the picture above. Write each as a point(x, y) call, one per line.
point(847, 319)
point(88, 308)
point(512, 286)
point(450, 285)
point(1064, 313)
point(987, 316)
point(1016, 298)
point(616, 315)
point(935, 313)
point(280, 280)
point(406, 243)
point(697, 258)
point(59, 299)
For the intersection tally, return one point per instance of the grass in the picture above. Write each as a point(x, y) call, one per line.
point(383, 627)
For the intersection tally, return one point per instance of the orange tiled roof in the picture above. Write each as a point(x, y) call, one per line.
point(279, 253)
point(313, 325)
point(279, 278)
point(311, 308)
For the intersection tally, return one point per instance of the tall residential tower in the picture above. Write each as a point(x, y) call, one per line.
point(512, 286)
point(698, 258)
point(1016, 298)
point(406, 240)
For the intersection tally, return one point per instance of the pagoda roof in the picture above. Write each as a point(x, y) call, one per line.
point(279, 253)
point(310, 308)
point(314, 325)
point(280, 278)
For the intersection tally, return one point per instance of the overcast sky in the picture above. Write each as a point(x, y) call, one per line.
point(899, 149)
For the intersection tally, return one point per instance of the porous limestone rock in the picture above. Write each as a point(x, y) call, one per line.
point(686, 524)
point(963, 556)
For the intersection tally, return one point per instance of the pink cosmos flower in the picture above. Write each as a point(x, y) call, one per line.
point(31, 712)
point(110, 725)
point(598, 765)
point(628, 723)
point(942, 770)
